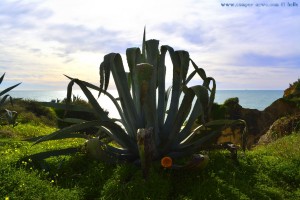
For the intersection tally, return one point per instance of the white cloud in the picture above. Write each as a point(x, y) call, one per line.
point(53, 37)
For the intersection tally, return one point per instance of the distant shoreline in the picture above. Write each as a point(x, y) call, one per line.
point(255, 99)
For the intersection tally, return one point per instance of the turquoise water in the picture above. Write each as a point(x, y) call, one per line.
point(256, 99)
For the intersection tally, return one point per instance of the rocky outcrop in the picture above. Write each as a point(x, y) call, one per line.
point(258, 122)
point(281, 127)
point(293, 90)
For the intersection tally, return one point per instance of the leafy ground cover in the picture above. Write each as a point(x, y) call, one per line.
point(266, 172)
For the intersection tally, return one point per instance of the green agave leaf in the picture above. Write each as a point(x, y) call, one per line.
point(126, 100)
point(176, 91)
point(117, 154)
point(114, 100)
point(110, 96)
point(212, 96)
point(129, 79)
point(71, 129)
point(3, 99)
point(104, 71)
point(72, 120)
point(70, 107)
point(69, 135)
point(115, 132)
point(120, 136)
point(1, 78)
point(153, 58)
point(133, 56)
point(188, 148)
point(186, 131)
point(162, 99)
point(98, 110)
point(202, 94)
point(216, 127)
point(184, 58)
point(144, 57)
point(10, 116)
point(198, 70)
point(180, 61)
point(182, 114)
point(8, 89)
point(152, 52)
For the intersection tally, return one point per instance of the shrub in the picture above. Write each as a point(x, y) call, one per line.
point(7, 115)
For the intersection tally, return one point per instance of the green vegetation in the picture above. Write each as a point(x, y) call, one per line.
point(146, 133)
point(267, 172)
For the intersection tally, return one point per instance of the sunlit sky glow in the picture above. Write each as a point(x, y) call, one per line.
point(242, 48)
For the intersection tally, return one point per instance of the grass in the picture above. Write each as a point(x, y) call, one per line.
point(266, 172)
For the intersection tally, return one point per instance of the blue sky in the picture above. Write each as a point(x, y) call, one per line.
point(253, 47)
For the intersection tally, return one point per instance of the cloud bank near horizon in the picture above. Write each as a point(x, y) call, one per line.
point(242, 48)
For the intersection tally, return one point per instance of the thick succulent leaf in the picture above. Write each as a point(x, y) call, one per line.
point(104, 71)
point(72, 120)
point(115, 132)
point(8, 89)
point(10, 116)
point(144, 57)
point(117, 154)
point(215, 127)
point(186, 131)
point(97, 108)
point(198, 70)
point(68, 130)
point(1, 78)
point(202, 94)
point(187, 148)
point(176, 91)
point(152, 52)
point(162, 101)
point(184, 64)
point(3, 99)
point(129, 79)
point(114, 100)
point(212, 96)
point(69, 93)
point(133, 56)
point(120, 136)
point(110, 96)
point(126, 100)
point(70, 107)
point(180, 61)
point(182, 114)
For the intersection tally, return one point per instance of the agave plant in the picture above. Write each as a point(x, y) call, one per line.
point(155, 121)
point(9, 116)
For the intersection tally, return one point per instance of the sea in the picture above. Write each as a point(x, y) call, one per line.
point(255, 99)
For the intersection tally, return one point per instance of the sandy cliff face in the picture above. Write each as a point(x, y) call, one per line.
point(258, 122)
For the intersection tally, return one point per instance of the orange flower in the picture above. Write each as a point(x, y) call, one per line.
point(166, 162)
